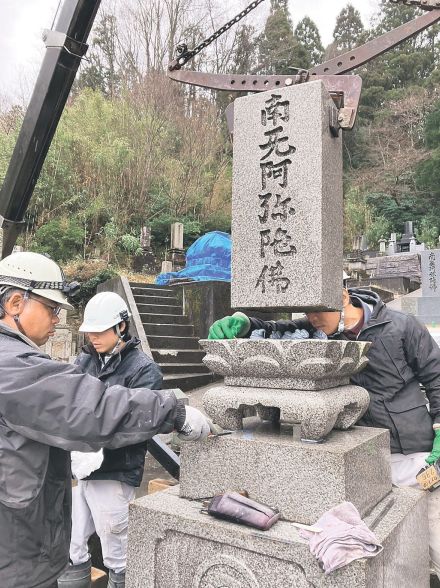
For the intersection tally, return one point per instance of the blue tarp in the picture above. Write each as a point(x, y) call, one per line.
point(208, 258)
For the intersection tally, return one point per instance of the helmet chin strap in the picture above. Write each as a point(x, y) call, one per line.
point(119, 342)
point(16, 318)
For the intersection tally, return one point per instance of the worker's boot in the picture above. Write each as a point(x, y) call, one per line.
point(116, 580)
point(77, 576)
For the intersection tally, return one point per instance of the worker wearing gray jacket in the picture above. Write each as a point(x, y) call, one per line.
point(47, 409)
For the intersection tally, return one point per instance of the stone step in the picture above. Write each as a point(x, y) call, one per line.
point(157, 300)
point(167, 342)
point(177, 355)
point(158, 309)
point(187, 381)
point(164, 319)
point(177, 368)
point(169, 329)
point(162, 289)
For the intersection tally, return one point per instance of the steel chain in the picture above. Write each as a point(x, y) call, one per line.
point(185, 55)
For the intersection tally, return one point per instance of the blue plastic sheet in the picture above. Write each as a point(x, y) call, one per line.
point(208, 258)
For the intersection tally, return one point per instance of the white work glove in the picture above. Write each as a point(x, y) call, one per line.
point(83, 464)
point(196, 426)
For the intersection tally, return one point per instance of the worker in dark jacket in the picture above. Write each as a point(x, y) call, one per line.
point(402, 356)
point(101, 498)
point(48, 408)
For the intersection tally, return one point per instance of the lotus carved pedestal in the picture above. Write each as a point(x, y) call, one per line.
point(304, 382)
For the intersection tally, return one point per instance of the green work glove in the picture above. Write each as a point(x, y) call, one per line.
point(230, 327)
point(435, 453)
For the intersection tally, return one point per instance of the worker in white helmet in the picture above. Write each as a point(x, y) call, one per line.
point(107, 479)
point(47, 409)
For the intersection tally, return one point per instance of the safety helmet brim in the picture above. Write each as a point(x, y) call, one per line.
point(94, 328)
point(104, 311)
point(55, 296)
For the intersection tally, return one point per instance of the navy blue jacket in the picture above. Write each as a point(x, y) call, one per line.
point(402, 356)
point(133, 369)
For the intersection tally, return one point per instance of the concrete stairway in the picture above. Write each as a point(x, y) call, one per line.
point(171, 337)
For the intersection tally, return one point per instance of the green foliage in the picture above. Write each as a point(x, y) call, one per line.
point(410, 62)
point(349, 30)
point(378, 229)
point(131, 244)
point(432, 128)
point(395, 210)
point(160, 229)
point(60, 238)
point(307, 35)
point(279, 50)
point(427, 232)
point(428, 171)
point(360, 218)
point(244, 56)
point(88, 288)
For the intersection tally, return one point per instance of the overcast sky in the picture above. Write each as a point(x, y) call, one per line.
point(22, 23)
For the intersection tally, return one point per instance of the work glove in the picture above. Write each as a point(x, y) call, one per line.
point(83, 464)
point(435, 453)
point(230, 327)
point(196, 426)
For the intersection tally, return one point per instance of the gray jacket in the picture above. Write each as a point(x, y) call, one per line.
point(48, 408)
point(402, 356)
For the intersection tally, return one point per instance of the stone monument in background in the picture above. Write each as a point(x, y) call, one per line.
point(145, 261)
point(424, 303)
point(178, 257)
point(301, 455)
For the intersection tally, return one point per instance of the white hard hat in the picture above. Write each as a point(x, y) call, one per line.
point(38, 274)
point(103, 311)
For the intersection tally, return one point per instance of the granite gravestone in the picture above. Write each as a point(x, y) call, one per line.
point(287, 201)
point(287, 253)
point(425, 302)
point(178, 257)
point(430, 264)
point(146, 261)
point(177, 236)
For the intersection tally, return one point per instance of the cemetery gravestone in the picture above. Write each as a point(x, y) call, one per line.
point(287, 253)
point(287, 201)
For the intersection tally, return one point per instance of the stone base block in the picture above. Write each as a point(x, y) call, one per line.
point(172, 544)
point(317, 411)
point(302, 480)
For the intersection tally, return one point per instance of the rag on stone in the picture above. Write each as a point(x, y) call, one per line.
point(344, 537)
point(293, 335)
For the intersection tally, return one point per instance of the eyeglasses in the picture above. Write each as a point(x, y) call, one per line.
point(55, 309)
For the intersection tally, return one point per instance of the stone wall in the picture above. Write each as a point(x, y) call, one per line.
point(403, 264)
point(63, 345)
point(206, 302)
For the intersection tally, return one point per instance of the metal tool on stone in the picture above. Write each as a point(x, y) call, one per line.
point(218, 431)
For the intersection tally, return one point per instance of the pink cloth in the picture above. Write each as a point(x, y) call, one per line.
point(344, 538)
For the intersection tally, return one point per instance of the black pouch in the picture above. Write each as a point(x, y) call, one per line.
point(236, 508)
